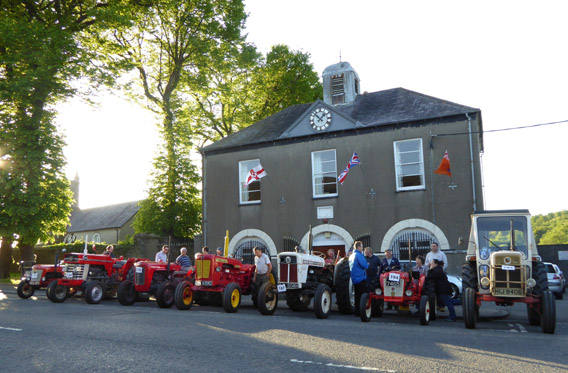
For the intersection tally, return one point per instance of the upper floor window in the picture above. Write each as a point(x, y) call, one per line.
point(409, 164)
point(250, 193)
point(324, 174)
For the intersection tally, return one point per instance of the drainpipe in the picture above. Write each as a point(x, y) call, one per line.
point(432, 177)
point(471, 160)
point(204, 199)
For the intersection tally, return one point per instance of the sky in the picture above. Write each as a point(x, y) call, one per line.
point(507, 58)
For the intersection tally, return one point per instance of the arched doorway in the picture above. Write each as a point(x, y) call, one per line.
point(329, 236)
point(417, 234)
point(242, 243)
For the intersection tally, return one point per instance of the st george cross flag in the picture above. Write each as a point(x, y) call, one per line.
point(353, 162)
point(255, 174)
point(444, 168)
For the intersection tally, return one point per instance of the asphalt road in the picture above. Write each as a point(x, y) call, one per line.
point(40, 336)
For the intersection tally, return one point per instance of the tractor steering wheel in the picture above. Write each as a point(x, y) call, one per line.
point(320, 254)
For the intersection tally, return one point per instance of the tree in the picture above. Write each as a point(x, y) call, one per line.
point(246, 87)
point(551, 229)
point(172, 40)
point(43, 47)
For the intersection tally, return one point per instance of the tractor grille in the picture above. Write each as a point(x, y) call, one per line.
point(203, 267)
point(288, 272)
point(139, 276)
point(74, 271)
point(507, 277)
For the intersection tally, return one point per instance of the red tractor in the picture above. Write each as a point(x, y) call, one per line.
point(96, 275)
point(220, 278)
point(402, 289)
point(152, 278)
point(38, 276)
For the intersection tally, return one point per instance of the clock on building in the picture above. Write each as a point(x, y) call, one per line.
point(320, 119)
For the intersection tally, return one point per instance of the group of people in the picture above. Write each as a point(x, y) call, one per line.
point(366, 270)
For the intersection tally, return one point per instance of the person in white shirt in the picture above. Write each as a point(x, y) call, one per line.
point(263, 266)
point(162, 256)
point(436, 253)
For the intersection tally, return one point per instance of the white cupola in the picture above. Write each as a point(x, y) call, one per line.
point(340, 84)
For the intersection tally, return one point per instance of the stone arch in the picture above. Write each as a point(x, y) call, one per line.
point(253, 233)
point(415, 223)
point(328, 228)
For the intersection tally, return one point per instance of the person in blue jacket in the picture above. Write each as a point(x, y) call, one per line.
point(389, 263)
point(358, 266)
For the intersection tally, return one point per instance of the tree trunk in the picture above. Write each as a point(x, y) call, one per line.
point(26, 253)
point(5, 257)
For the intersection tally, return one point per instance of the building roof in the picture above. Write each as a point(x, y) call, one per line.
point(105, 217)
point(388, 107)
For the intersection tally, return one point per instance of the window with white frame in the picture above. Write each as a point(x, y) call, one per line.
point(324, 174)
point(250, 193)
point(409, 164)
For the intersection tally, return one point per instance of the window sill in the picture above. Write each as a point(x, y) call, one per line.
point(325, 197)
point(411, 190)
point(250, 204)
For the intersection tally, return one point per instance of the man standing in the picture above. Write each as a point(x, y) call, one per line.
point(373, 270)
point(263, 267)
point(162, 256)
point(436, 253)
point(183, 260)
point(389, 262)
point(358, 266)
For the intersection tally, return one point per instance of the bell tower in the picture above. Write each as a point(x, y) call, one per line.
point(340, 84)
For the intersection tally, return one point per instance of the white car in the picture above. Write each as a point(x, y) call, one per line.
point(556, 280)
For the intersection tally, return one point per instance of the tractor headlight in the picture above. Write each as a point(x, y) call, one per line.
point(378, 291)
point(531, 283)
point(43, 278)
point(408, 293)
point(485, 282)
point(218, 269)
point(197, 283)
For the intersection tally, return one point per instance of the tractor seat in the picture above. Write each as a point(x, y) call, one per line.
point(119, 264)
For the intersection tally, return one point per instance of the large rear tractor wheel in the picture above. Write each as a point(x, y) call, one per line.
point(232, 297)
point(322, 301)
point(126, 293)
point(267, 298)
point(469, 276)
point(470, 308)
point(297, 301)
point(57, 293)
point(25, 290)
point(94, 292)
point(183, 296)
point(365, 307)
point(165, 295)
point(344, 287)
point(541, 280)
point(548, 316)
point(425, 310)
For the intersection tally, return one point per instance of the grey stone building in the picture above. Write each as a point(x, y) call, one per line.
point(392, 199)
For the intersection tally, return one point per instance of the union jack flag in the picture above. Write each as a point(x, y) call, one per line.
point(353, 162)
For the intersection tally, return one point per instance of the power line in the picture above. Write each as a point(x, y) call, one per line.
point(502, 129)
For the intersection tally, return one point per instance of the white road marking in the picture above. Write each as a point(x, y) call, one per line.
point(341, 366)
point(521, 328)
point(13, 329)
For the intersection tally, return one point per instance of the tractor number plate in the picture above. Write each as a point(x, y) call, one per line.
point(508, 268)
point(68, 274)
point(139, 269)
point(34, 275)
point(505, 291)
point(281, 288)
point(394, 277)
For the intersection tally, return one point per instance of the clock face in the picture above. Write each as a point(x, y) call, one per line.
point(320, 119)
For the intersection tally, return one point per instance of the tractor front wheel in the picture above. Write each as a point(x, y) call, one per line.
point(470, 308)
point(548, 316)
point(322, 301)
point(94, 292)
point(425, 310)
point(126, 293)
point(25, 290)
point(165, 295)
point(267, 298)
point(183, 296)
point(365, 307)
point(297, 301)
point(232, 297)
point(377, 307)
point(57, 293)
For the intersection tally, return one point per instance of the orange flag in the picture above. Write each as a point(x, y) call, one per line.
point(444, 168)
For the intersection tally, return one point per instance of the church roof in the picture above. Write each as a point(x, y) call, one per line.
point(382, 108)
point(104, 217)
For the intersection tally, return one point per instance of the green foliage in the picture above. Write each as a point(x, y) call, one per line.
point(551, 229)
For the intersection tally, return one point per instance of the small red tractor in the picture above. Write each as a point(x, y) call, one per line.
point(152, 278)
point(402, 289)
point(220, 277)
point(503, 266)
point(37, 277)
point(96, 275)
